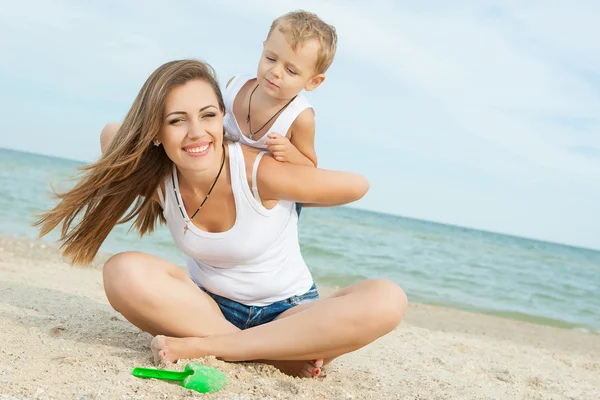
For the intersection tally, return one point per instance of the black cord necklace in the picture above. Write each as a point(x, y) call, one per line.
point(185, 228)
point(249, 120)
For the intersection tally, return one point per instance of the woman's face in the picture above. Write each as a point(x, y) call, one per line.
point(192, 128)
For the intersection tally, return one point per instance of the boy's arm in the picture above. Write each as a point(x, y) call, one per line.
point(299, 147)
point(303, 135)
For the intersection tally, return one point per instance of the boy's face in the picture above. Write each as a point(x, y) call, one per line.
point(283, 72)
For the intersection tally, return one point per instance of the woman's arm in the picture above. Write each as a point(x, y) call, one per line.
point(285, 181)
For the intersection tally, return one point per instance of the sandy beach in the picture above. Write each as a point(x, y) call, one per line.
point(62, 340)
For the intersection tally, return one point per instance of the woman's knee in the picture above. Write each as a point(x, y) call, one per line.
point(387, 303)
point(122, 275)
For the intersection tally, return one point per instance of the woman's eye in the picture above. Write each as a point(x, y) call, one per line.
point(270, 59)
point(291, 71)
point(209, 115)
point(174, 121)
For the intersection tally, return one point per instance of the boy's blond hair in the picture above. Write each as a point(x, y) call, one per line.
point(302, 26)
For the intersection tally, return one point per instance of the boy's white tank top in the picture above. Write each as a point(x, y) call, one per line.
point(257, 261)
point(281, 125)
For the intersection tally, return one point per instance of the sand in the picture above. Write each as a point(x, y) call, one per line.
point(60, 339)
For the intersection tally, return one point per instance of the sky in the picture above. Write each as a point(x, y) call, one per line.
point(484, 114)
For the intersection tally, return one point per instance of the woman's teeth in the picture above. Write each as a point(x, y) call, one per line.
point(197, 149)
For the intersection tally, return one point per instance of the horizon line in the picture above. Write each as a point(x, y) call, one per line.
point(369, 210)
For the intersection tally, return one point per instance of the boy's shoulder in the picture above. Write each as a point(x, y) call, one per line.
point(233, 87)
point(304, 124)
point(242, 77)
point(305, 120)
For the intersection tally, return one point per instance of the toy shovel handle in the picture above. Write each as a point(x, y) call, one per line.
point(160, 374)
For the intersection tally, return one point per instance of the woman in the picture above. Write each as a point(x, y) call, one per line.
point(248, 296)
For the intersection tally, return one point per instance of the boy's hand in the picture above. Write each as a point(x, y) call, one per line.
point(281, 147)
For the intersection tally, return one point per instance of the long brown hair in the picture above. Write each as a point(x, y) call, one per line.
point(129, 173)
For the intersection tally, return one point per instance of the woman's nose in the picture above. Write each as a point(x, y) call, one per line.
point(195, 129)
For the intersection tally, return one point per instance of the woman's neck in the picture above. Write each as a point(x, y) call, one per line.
point(201, 181)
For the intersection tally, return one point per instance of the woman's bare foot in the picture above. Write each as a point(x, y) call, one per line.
point(298, 369)
point(168, 350)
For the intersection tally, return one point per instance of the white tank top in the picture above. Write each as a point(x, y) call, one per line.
point(257, 261)
point(281, 125)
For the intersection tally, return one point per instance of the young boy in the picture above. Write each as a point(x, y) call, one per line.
point(267, 111)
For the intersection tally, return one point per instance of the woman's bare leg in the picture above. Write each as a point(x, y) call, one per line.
point(159, 298)
point(318, 363)
point(352, 318)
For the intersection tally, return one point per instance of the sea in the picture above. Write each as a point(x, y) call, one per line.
point(450, 266)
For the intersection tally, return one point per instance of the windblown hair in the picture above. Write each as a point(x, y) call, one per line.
point(128, 174)
point(302, 26)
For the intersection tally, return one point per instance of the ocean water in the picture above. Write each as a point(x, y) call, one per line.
point(436, 264)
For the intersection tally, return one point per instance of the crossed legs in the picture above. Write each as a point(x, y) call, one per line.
point(159, 298)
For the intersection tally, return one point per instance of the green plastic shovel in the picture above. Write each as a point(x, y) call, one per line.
point(195, 376)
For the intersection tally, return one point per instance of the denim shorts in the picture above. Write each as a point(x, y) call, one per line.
point(245, 317)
